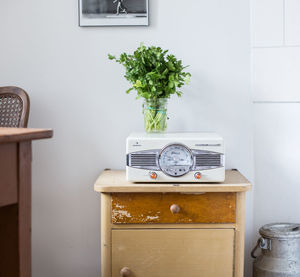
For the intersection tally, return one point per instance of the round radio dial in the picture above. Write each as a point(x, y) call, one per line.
point(175, 160)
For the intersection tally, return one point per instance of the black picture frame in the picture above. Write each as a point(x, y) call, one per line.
point(93, 13)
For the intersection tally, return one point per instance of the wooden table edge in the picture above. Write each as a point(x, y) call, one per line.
point(27, 134)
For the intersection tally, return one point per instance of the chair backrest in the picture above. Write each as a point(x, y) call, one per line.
point(14, 107)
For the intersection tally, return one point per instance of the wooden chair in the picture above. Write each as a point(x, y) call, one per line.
point(14, 107)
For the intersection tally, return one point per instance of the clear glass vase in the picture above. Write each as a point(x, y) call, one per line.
point(155, 115)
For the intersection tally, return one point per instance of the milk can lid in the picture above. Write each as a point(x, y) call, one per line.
point(280, 230)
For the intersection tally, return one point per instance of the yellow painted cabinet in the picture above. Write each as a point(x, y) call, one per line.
point(167, 230)
point(173, 252)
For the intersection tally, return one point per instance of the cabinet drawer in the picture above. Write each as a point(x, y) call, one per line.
point(139, 208)
point(173, 252)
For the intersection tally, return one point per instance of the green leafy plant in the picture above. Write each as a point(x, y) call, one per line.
point(154, 74)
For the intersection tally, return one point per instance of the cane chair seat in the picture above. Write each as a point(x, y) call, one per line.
point(14, 107)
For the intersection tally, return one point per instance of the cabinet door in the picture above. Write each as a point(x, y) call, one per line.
point(173, 252)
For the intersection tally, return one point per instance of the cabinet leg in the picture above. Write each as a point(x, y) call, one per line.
point(105, 235)
point(240, 235)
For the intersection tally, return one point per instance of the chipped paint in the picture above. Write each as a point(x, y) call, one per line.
point(120, 214)
point(146, 208)
point(152, 217)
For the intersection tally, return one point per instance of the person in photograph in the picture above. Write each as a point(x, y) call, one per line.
point(120, 7)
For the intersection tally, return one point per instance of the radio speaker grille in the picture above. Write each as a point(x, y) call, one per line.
point(208, 160)
point(142, 159)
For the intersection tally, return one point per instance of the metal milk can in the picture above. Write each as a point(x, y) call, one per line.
point(280, 255)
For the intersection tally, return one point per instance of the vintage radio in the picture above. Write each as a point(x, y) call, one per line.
point(175, 157)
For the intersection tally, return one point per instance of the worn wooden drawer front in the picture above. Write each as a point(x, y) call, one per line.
point(139, 208)
point(173, 252)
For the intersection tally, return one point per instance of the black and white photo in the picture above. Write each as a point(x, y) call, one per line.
point(113, 12)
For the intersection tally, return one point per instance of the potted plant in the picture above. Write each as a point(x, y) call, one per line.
point(155, 75)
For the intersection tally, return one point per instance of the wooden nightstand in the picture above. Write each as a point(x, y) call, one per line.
point(172, 229)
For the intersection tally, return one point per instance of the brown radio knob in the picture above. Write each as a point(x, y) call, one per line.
point(175, 209)
point(125, 272)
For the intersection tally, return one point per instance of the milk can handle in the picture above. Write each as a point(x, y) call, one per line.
point(254, 249)
point(261, 243)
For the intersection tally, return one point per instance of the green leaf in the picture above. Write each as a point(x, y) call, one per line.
point(138, 83)
point(171, 77)
point(165, 72)
point(111, 57)
point(171, 66)
point(187, 78)
point(129, 90)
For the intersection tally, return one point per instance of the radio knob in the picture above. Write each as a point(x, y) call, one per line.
point(197, 175)
point(153, 175)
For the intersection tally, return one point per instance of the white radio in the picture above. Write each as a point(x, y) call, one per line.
point(175, 157)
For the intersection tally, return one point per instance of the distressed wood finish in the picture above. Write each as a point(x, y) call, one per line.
point(179, 248)
point(111, 181)
point(155, 208)
point(176, 252)
point(15, 200)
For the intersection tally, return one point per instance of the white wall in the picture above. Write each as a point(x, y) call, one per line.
point(276, 97)
point(78, 92)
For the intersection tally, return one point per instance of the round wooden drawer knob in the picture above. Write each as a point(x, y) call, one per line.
point(175, 209)
point(125, 272)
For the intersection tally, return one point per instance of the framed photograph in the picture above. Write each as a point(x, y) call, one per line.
point(113, 13)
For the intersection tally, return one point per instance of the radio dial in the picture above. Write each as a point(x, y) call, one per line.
point(175, 160)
